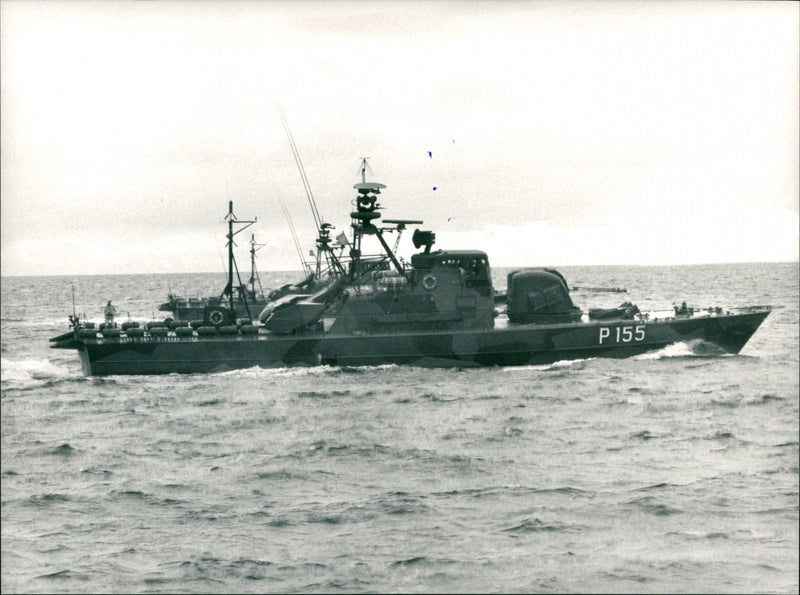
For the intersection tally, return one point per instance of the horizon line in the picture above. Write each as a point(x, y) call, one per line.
point(299, 271)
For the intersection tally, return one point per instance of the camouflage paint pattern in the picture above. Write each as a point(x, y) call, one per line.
point(505, 345)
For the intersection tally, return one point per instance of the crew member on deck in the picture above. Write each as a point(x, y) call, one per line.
point(110, 311)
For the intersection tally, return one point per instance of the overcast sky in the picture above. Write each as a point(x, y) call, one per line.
point(543, 133)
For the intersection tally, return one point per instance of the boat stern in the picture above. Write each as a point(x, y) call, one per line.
point(66, 341)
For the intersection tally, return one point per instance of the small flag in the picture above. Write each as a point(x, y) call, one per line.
point(342, 239)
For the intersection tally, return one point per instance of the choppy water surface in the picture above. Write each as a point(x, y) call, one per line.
point(674, 471)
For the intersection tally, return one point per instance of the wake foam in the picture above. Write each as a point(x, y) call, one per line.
point(300, 371)
point(559, 365)
point(32, 373)
point(696, 348)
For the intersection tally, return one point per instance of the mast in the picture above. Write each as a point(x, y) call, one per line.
point(253, 272)
point(231, 263)
point(324, 250)
point(73, 320)
point(231, 217)
point(363, 222)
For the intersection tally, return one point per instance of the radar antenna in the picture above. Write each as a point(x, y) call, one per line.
point(364, 167)
point(363, 221)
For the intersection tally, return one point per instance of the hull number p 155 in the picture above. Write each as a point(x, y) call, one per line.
point(621, 334)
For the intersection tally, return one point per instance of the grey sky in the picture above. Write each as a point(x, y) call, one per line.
point(559, 133)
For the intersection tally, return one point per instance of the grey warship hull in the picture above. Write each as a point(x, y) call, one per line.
point(507, 344)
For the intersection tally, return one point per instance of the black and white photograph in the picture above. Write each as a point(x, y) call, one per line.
point(348, 296)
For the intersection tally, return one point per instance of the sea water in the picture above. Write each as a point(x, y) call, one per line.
point(675, 471)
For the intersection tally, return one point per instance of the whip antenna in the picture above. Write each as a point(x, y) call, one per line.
point(312, 203)
point(294, 234)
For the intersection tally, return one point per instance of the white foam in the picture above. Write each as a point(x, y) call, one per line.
point(681, 349)
point(27, 373)
point(564, 363)
point(293, 371)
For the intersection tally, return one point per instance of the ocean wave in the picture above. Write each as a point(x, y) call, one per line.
point(673, 350)
point(398, 503)
point(280, 522)
point(559, 365)
point(657, 486)
point(210, 402)
point(738, 400)
point(787, 444)
point(323, 448)
point(764, 399)
point(57, 324)
point(103, 473)
point(695, 348)
point(410, 561)
point(204, 569)
point(64, 575)
point(536, 525)
point(31, 373)
point(41, 500)
point(493, 492)
point(121, 497)
point(644, 435)
point(283, 475)
point(728, 403)
point(324, 518)
point(313, 394)
point(649, 505)
point(64, 450)
point(434, 398)
point(257, 372)
point(566, 490)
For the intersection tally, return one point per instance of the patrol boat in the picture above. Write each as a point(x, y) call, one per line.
point(441, 310)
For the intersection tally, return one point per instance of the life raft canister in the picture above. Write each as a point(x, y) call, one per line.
point(429, 282)
point(217, 316)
